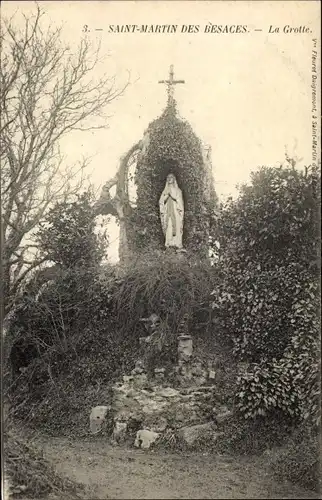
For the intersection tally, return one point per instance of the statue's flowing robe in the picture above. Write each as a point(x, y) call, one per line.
point(171, 213)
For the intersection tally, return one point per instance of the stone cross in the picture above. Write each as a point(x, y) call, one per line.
point(171, 83)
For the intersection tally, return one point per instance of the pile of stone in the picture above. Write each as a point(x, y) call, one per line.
point(150, 408)
point(144, 410)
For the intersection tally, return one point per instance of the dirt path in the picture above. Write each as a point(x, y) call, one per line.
point(115, 473)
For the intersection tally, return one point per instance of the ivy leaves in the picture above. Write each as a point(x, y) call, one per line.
point(268, 298)
point(174, 148)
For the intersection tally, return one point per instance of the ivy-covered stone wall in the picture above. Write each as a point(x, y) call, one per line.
point(172, 148)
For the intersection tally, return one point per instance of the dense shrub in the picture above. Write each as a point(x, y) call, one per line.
point(69, 327)
point(269, 253)
point(268, 298)
point(68, 236)
point(52, 310)
point(49, 323)
point(60, 336)
point(290, 382)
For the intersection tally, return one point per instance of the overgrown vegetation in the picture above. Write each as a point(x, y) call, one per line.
point(269, 297)
point(259, 301)
point(166, 284)
point(60, 333)
point(48, 313)
point(86, 329)
point(68, 236)
point(173, 148)
point(268, 300)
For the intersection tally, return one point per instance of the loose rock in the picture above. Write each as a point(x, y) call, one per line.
point(144, 438)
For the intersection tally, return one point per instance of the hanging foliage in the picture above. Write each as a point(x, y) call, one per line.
point(172, 148)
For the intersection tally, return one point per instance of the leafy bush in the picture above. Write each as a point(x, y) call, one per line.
point(255, 307)
point(264, 388)
point(275, 217)
point(48, 323)
point(268, 298)
point(269, 255)
point(67, 236)
point(290, 383)
point(51, 310)
point(60, 336)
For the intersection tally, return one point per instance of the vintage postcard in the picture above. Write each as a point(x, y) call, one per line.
point(160, 174)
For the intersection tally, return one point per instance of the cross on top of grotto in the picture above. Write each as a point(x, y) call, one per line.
point(170, 83)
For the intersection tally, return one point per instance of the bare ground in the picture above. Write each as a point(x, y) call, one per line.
point(113, 472)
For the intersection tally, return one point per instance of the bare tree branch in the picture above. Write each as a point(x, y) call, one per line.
point(47, 91)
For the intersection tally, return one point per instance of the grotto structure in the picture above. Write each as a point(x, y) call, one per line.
point(175, 196)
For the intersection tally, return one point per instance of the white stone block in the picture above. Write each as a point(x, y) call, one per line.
point(97, 417)
point(145, 438)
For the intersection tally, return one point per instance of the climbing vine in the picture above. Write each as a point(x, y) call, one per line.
point(173, 148)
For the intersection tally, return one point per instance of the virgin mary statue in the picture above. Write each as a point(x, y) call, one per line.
point(171, 213)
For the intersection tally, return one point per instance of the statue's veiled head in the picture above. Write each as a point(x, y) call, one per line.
point(171, 179)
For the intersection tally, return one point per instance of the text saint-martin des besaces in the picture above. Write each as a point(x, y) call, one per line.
point(175, 28)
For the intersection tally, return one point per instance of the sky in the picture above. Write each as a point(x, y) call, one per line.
point(247, 95)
